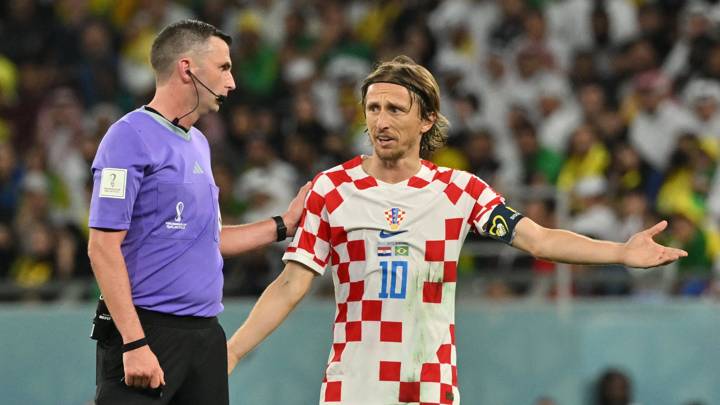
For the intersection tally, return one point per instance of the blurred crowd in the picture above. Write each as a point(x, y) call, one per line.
point(601, 116)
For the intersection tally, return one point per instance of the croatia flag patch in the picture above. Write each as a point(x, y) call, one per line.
point(384, 251)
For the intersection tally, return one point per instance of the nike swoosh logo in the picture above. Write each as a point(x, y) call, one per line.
point(385, 234)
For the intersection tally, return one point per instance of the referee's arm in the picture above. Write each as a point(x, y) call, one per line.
point(141, 366)
point(238, 239)
point(274, 305)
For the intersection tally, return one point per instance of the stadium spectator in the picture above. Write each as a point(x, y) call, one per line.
point(97, 51)
point(614, 387)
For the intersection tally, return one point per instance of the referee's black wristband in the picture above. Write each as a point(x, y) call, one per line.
point(281, 228)
point(134, 345)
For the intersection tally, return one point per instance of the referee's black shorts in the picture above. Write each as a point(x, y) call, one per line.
point(192, 352)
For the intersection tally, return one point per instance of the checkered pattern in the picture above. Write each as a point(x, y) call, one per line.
point(438, 378)
point(393, 335)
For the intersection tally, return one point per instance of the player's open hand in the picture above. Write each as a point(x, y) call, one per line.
point(295, 210)
point(642, 251)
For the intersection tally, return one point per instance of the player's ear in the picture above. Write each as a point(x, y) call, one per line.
point(428, 122)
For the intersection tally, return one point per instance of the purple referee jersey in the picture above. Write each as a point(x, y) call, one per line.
point(153, 179)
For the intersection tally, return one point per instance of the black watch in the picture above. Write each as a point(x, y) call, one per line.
point(281, 228)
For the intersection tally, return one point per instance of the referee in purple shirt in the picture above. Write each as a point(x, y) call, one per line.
point(156, 237)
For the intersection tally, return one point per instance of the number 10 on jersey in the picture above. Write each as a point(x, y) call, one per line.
point(398, 272)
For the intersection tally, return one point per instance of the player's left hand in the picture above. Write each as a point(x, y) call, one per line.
point(295, 210)
point(642, 251)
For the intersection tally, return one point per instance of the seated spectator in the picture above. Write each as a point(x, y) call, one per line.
point(614, 387)
point(586, 157)
point(694, 274)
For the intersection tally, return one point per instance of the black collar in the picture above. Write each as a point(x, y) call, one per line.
point(152, 110)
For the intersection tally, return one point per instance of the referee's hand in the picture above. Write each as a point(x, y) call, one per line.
point(142, 369)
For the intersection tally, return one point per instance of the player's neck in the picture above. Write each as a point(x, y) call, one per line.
point(167, 103)
point(391, 171)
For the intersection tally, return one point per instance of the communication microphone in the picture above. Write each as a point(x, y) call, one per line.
point(219, 98)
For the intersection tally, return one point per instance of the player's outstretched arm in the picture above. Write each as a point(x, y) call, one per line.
point(274, 305)
point(237, 239)
point(569, 247)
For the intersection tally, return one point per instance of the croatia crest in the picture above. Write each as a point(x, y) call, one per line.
point(394, 216)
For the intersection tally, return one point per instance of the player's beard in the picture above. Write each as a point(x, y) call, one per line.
point(400, 151)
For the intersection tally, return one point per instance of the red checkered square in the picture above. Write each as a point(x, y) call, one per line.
point(339, 177)
point(495, 201)
point(452, 228)
point(371, 310)
point(417, 182)
point(356, 250)
point(430, 372)
point(338, 349)
point(341, 312)
point(449, 272)
point(353, 331)
point(435, 250)
point(452, 334)
point(444, 354)
point(475, 187)
point(333, 391)
point(454, 375)
point(453, 192)
point(334, 257)
point(343, 272)
point(409, 392)
point(323, 231)
point(319, 262)
point(446, 394)
point(333, 200)
point(357, 289)
point(307, 242)
point(365, 183)
point(354, 162)
point(474, 214)
point(443, 176)
point(337, 235)
point(315, 203)
point(390, 331)
point(432, 292)
point(389, 371)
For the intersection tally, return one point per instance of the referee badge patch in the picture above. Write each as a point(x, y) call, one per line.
point(112, 183)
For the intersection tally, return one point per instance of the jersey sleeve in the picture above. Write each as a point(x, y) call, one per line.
point(490, 216)
point(118, 171)
point(311, 244)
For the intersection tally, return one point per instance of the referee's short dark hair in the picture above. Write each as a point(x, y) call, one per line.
point(177, 39)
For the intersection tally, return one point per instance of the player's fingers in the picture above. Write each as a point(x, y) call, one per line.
point(155, 380)
point(162, 377)
point(657, 228)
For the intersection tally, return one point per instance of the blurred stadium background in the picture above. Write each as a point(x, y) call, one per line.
point(601, 116)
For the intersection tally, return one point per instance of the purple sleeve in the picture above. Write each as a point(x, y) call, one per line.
point(118, 171)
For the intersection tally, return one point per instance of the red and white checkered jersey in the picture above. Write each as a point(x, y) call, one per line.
point(392, 250)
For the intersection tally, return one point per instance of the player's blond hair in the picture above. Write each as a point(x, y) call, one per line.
point(423, 88)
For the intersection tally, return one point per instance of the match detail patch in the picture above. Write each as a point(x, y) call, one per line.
point(112, 183)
